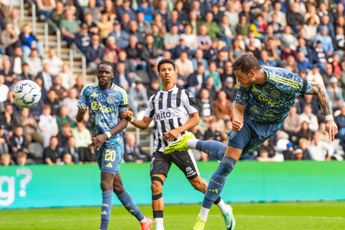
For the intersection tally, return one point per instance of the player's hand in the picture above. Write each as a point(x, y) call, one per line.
point(98, 140)
point(171, 135)
point(331, 128)
point(82, 109)
point(127, 115)
point(237, 124)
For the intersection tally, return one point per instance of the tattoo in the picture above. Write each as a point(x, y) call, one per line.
point(319, 89)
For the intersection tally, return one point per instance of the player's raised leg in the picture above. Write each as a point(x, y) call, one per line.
point(129, 203)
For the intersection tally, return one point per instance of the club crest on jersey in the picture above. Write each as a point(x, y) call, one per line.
point(111, 99)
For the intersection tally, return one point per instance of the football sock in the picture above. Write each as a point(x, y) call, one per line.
point(215, 149)
point(203, 213)
point(159, 221)
point(222, 206)
point(191, 143)
point(107, 202)
point(217, 181)
point(129, 204)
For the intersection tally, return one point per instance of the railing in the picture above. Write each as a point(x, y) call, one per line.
point(50, 24)
point(33, 13)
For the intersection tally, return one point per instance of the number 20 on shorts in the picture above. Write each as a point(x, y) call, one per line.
point(110, 155)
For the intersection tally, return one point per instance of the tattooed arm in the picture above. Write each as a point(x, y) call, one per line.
point(319, 89)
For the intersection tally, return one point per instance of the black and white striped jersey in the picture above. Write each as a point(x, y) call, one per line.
point(169, 110)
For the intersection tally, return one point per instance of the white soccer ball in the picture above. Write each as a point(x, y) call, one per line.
point(26, 93)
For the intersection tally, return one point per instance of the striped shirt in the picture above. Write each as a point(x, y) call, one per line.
point(169, 109)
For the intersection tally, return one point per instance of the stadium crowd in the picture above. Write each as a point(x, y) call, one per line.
point(204, 38)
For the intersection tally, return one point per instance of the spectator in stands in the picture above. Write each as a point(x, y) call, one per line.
point(7, 71)
point(57, 14)
point(67, 159)
point(222, 107)
point(29, 41)
point(335, 93)
point(292, 124)
point(309, 117)
point(294, 18)
point(133, 151)
point(340, 121)
point(184, 68)
point(25, 75)
point(54, 62)
point(134, 55)
point(204, 104)
point(5, 159)
point(137, 96)
point(47, 125)
point(34, 62)
point(8, 118)
point(79, 83)
point(196, 79)
point(83, 38)
point(326, 41)
point(58, 88)
point(46, 76)
point(171, 38)
point(126, 8)
point(71, 102)
point(72, 149)
point(64, 118)
point(18, 141)
point(83, 140)
point(52, 154)
point(120, 35)
point(212, 132)
point(65, 134)
point(22, 159)
point(30, 126)
point(105, 26)
point(45, 8)
point(319, 150)
point(189, 38)
point(53, 101)
point(69, 27)
point(4, 148)
point(9, 39)
point(199, 60)
point(95, 52)
point(123, 80)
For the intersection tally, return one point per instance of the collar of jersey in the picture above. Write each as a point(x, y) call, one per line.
point(170, 89)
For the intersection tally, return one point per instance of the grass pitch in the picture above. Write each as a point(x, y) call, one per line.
point(249, 216)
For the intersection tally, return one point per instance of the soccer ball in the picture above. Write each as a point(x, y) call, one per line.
point(26, 94)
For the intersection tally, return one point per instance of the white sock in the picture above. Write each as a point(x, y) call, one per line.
point(223, 206)
point(191, 143)
point(159, 223)
point(204, 213)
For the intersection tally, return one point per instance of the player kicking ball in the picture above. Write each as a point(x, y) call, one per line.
point(106, 102)
point(263, 101)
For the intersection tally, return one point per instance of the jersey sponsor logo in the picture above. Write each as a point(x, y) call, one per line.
point(264, 99)
point(97, 106)
point(163, 115)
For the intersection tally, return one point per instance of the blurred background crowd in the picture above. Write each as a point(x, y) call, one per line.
point(204, 38)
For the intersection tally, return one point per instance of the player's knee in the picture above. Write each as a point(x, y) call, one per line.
point(118, 189)
point(106, 185)
point(156, 187)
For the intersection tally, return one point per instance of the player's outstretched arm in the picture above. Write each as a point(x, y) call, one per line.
point(191, 122)
point(141, 124)
point(319, 89)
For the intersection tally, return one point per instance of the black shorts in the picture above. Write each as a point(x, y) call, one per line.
point(160, 163)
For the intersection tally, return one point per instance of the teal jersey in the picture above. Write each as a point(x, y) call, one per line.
point(104, 107)
point(271, 101)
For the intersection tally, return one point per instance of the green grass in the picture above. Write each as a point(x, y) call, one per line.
point(249, 216)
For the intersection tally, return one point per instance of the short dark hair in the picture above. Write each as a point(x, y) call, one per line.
point(113, 68)
point(246, 63)
point(165, 61)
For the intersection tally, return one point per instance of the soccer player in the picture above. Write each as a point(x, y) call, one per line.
point(263, 101)
point(106, 102)
point(173, 112)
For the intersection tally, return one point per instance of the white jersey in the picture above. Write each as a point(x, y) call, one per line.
point(169, 110)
